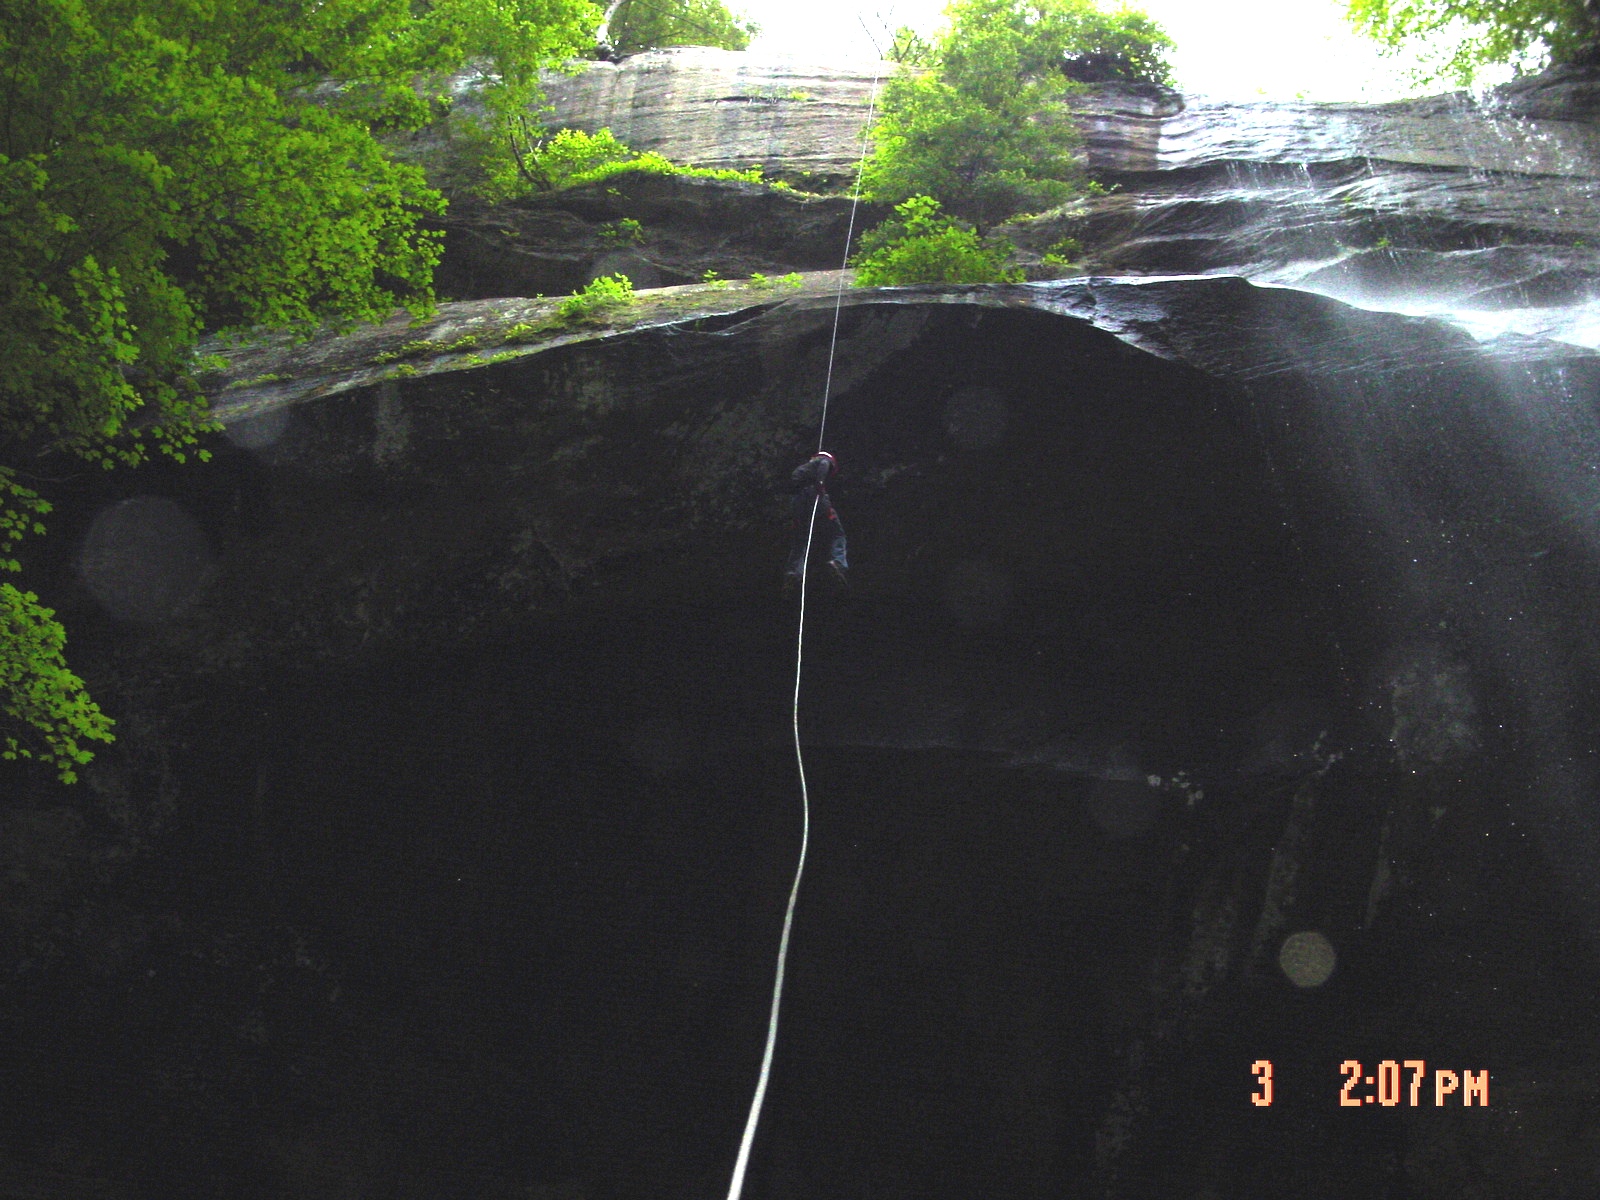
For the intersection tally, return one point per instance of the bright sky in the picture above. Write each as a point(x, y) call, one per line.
point(1230, 49)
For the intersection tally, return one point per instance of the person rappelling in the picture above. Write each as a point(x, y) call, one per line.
point(811, 499)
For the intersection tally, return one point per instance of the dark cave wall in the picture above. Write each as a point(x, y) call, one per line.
point(1035, 493)
point(453, 930)
point(446, 847)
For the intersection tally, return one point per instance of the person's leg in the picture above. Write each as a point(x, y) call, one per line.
point(839, 558)
point(800, 528)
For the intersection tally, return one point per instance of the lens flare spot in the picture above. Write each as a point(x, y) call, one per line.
point(1307, 958)
point(257, 431)
point(144, 559)
point(1123, 808)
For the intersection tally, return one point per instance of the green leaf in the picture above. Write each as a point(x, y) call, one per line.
point(1453, 40)
point(920, 244)
point(983, 131)
point(172, 170)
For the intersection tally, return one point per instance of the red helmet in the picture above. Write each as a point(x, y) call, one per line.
point(833, 463)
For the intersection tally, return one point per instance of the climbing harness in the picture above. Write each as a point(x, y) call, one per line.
point(736, 1186)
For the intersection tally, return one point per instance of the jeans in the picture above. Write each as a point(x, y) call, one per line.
point(803, 503)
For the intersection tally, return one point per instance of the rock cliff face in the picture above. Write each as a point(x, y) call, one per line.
point(1481, 210)
point(1214, 686)
point(722, 108)
point(800, 122)
point(552, 245)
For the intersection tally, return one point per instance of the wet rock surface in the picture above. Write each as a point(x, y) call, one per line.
point(1478, 210)
point(1215, 685)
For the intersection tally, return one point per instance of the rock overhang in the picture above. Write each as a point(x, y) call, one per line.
point(1143, 568)
point(1069, 503)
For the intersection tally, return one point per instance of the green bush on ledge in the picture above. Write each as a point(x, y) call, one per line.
point(600, 295)
point(921, 244)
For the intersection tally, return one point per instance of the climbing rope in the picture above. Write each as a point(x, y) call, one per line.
point(737, 1185)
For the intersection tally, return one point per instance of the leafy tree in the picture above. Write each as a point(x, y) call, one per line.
point(984, 151)
point(910, 49)
point(920, 244)
point(1456, 38)
point(170, 168)
point(979, 131)
point(1095, 46)
point(632, 26)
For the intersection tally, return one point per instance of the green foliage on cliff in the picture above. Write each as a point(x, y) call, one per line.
point(910, 49)
point(623, 232)
point(636, 25)
point(55, 718)
point(598, 296)
point(1454, 39)
point(571, 158)
point(920, 244)
point(1094, 45)
point(979, 131)
point(172, 167)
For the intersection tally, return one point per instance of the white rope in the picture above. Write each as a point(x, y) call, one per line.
point(838, 298)
point(736, 1187)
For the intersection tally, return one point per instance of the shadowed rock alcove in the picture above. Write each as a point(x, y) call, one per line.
point(455, 805)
